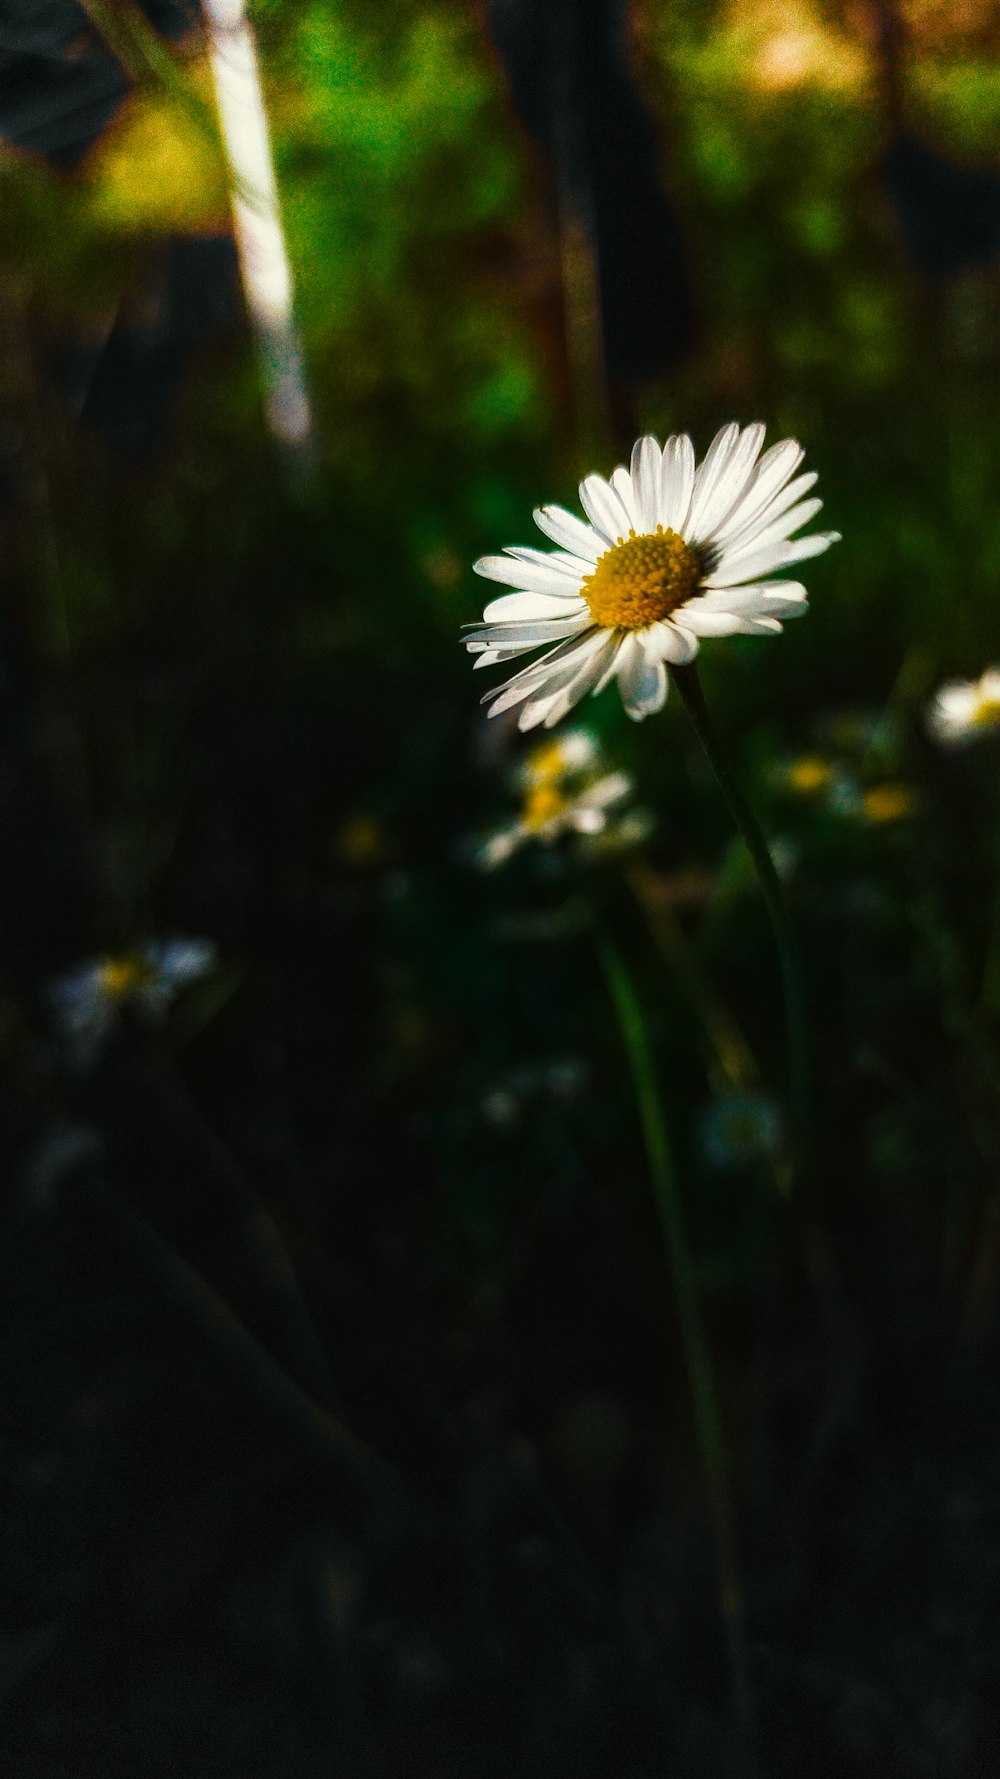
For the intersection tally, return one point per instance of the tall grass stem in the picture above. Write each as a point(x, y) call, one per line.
point(701, 1381)
point(689, 686)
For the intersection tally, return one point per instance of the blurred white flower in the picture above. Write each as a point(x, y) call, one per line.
point(86, 1001)
point(551, 810)
point(963, 710)
point(740, 1129)
point(549, 762)
point(622, 834)
point(500, 1109)
point(671, 554)
point(558, 1081)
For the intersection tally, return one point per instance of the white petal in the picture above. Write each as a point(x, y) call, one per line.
point(547, 676)
point(497, 848)
point(588, 821)
point(642, 682)
point(531, 577)
point(755, 512)
point(711, 471)
point(609, 661)
point(646, 460)
point(553, 702)
point(497, 654)
point(760, 595)
point(609, 789)
point(735, 624)
point(773, 606)
point(711, 506)
point(758, 605)
point(706, 623)
point(760, 627)
point(676, 482)
point(689, 641)
point(756, 539)
point(786, 497)
point(487, 657)
point(957, 697)
point(180, 960)
point(572, 533)
point(770, 476)
point(665, 642)
point(549, 702)
point(621, 482)
point(563, 561)
point(532, 605)
point(527, 635)
point(602, 665)
point(536, 671)
point(604, 509)
point(768, 560)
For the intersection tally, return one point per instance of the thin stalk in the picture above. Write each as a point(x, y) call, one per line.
point(701, 1381)
point(732, 1066)
point(733, 1059)
point(331, 1443)
point(969, 1022)
point(261, 1236)
point(689, 686)
point(989, 991)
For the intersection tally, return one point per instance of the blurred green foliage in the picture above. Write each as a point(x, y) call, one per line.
point(303, 623)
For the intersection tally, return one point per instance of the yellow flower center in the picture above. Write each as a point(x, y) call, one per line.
point(888, 803)
point(810, 773)
point(642, 579)
point(122, 976)
point(360, 840)
point(987, 713)
point(546, 761)
point(542, 804)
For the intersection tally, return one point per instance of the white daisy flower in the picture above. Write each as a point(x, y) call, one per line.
point(623, 834)
point(669, 554)
point(86, 1002)
point(963, 710)
point(575, 750)
point(551, 810)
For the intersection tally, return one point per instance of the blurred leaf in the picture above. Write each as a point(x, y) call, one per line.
point(155, 173)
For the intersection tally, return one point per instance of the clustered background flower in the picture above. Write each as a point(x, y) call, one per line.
point(144, 979)
point(963, 711)
point(565, 791)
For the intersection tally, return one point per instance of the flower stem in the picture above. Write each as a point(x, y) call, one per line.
point(689, 686)
point(261, 1236)
point(701, 1381)
point(989, 992)
point(364, 1472)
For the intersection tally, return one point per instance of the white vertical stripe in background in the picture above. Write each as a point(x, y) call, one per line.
point(260, 241)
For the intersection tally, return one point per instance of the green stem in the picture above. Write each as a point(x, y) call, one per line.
point(689, 686)
point(701, 1381)
point(331, 1443)
point(733, 1059)
point(263, 1241)
point(989, 992)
